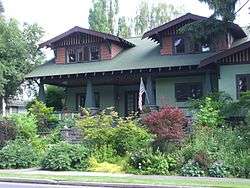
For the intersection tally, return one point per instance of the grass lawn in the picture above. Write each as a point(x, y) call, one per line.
point(237, 183)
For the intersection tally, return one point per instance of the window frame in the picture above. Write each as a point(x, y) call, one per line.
point(86, 52)
point(174, 47)
point(189, 85)
point(238, 76)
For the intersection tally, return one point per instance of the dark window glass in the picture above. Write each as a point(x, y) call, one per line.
point(179, 45)
point(94, 53)
point(80, 56)
point(243, 84)
point(71, 56)
point(184, 91)
point(86, 54)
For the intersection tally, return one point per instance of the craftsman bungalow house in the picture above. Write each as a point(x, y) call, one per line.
point(100, 70)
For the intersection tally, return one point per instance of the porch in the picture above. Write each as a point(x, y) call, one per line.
point(120, 89)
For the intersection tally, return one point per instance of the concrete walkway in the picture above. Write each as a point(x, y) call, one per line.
point(36, 171)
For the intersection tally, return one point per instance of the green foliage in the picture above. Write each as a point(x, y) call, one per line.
point(54, 97)
point(208, 114)
point(26, 125)
point(95, 166)
point(105, 153)
point(107, 128)
point(129, 137)
point(18, 154)
point(199, 32)
point(19, 54)
point(64, 156)
point(124, 29)
point(147, 162)
point(192, 169)
point(7, 131)
point(103, 14)
point(218, 170)
point(98, 129)
point(44, 116)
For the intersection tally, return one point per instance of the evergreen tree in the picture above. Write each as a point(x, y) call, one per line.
point(113, 9)
point(142, 18)
point(123, 28)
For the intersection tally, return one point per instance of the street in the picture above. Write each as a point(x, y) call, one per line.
point(26, 185)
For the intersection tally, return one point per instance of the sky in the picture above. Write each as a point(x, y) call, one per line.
point(56, 16)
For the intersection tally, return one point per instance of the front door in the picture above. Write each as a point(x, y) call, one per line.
point(131, 102)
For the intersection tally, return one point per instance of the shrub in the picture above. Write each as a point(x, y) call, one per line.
point(129, 136)
point(105, 153)
point(218, 169)
point(98, 129)
point(167, 124)
point(151, 163)
point(192, 169)
point(7, 131)
point(18, 154)
point(44, 116)
point(64, 156)
point(54, 96)
point(26, 125)
point(95, 166)
point(208, 114)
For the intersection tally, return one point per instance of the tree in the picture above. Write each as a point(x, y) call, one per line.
point(123, 28)
point(19, 55)
point(113, 9)
point(98, 20)
point(102, 16)
point(54, 96)
point(218, 24)
point(151, 17)
point(142, 18)
point(162, 13)
point(1, 8)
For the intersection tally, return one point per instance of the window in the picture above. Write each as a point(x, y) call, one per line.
point(179, 45)
point(80, 100)
point(71, 56)
point(94, 53)
point(205, 48)
point(243, 84)
point(184, 91)
point(77, 55)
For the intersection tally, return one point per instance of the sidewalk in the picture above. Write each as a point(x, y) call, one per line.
point(35, 175)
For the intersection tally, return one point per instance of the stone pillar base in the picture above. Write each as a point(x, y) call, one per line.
point(94, 110)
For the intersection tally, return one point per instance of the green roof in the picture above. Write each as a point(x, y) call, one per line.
point(145, 55)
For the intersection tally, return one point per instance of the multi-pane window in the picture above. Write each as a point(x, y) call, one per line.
point(94, 53)
point(179, 45)
point(243, 83)
point(77, 55)
point(185, 91)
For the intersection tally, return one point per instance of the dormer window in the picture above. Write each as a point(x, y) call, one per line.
point(83, 54)
point(179, 45)
point(94, 52)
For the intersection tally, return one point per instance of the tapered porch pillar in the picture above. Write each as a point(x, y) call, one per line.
point(90, 98)
point(150, 98)
point(41, 92)
point(208, 83)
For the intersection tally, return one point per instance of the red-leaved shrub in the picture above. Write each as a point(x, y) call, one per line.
point(167, 123)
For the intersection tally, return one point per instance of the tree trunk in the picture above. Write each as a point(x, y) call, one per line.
point(2, 106)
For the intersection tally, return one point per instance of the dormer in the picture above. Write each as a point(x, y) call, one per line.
point(79, 45)
point(173, 43)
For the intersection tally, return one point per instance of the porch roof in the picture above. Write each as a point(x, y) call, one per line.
point(145, 55)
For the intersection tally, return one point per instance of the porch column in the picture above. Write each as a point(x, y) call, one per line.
point(41, 92)
point(150, 99)
point(208, 85)
point(90, 98)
